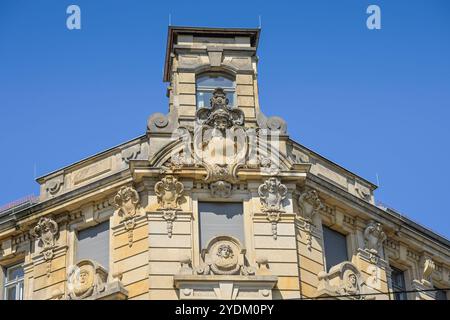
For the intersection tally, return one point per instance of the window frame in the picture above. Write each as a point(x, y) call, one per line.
point(210, 89)
point(18, 283)
point(394, 288)
point(84, 228)
point(200, 237)
point(347, 245)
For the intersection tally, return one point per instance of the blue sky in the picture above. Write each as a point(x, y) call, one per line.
point(375, 102)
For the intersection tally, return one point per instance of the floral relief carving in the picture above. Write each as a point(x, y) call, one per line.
point(126, 202)
point(169, 191)
point(374, 237)
point(46, 231)
point(309, 204)
point(272, 193)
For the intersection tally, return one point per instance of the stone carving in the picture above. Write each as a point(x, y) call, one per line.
point(221, 189)
point(272, 193)
point(374, 237)
point(268, 166)
point(220, 142)
point(127, 204)
point(224, 256)
point(131, 153)
point(169, 191)
point(159, 122)
point(362, 191)
point(309, 204)
point(276, 124)
point(428, 268)
point(46, 231)
point(87, 278)
point(54, 186)
point(343, 279)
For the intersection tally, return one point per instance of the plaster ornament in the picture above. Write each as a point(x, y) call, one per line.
point(127, 204)
point(374, 237)
point(309, 204)
point(220, 141)
point(46, 231)
point(87, 278)
point(272, 193)
point(169, 191)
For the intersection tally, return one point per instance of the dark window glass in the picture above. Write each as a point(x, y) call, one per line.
point(93, 244)
point(335, 247)
point(398, 284)
point(220, 219)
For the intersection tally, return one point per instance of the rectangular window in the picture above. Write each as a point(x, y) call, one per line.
point(93, 244)
point(398, 284)
point(217, 219)
point(13, 288)
point(335, 247)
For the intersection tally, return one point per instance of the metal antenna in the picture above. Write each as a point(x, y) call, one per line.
point(34, 171)
point(378, 180)
point(260, 23)
point(170, 19)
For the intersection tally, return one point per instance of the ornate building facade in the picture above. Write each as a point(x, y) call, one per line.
point(214, 201)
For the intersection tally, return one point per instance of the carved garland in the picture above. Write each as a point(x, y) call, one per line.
point(169, 191)
point(46, 231)
point(127, 204)
point(272, 193)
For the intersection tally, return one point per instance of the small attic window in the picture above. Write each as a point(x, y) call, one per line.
point(207, 82)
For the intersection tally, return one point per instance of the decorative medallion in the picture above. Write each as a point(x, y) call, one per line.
point(224, 256)
point(87, 278)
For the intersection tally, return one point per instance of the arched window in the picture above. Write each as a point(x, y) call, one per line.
point(207, 82)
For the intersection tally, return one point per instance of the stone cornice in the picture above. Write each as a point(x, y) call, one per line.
point(441, 244)
point(11, 223)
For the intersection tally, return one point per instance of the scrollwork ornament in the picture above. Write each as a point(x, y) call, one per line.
point(374, 237)
point(272, 193)
point(127, 204)
point(310, 204)
point(169, 191)
point(46, 231)
point(169, 216)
